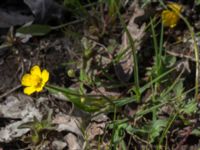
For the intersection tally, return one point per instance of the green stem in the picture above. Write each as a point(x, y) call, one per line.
point(196, 49)
point(166, 130)
point(196, 52)
point(66, 24)
point(135, 61)
point(155, 43)
point(161, 45)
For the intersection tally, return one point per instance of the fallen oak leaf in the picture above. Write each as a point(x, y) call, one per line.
point(124, 68)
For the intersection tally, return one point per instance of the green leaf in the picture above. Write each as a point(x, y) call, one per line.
point(123, 145)
point(119, 132)
point(169, 61)
point(35, 30)
point(154, 128)
point(179, 89)
point(132, 130)
point(197, 2)
point(124, 101)
point(87, 103)
point(190, 107)
point(196, 132)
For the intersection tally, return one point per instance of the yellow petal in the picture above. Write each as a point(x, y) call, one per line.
point(165, 17)
point(45, 75)
point(27, 80)
point(35, 70)
point(169, 18)
point(175, 6)
point(174, 21)
point(29, 90)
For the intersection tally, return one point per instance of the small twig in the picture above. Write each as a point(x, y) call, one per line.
point(67, 24)
point(10, 91)
point(181, 55)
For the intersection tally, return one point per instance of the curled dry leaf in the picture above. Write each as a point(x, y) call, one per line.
point(19, 107)
point(124, 68)
point(72, 142)
point(58, 145)
point(97, 126)
point(67, 123)
point(95, 129)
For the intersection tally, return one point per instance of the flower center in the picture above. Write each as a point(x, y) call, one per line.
point(38, 81)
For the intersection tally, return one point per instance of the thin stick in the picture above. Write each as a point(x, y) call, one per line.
point(10, 91)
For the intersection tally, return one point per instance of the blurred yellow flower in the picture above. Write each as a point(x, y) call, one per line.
point(170, 17)
point(35, 81)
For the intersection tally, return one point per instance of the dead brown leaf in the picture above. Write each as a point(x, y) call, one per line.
point(97, 126)
point(67, 123)
point(22, 108)
point(124, 68)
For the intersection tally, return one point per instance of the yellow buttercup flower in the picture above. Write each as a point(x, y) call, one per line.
point(35, 81)
point(171, 17)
